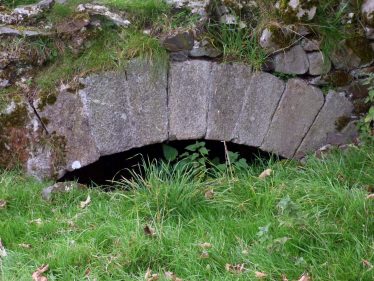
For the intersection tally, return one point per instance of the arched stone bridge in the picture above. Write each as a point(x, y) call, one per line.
point(116, 111)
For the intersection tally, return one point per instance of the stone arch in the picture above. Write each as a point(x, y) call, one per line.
point(197, 99)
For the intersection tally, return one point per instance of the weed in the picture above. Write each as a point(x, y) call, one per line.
point(136, 44)
point(367, 122)
point(300, 219)
point(15, 3)
point(143, 12)
point(237, 44)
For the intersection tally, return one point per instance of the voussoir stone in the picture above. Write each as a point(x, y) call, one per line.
point(296, 112)
point(262, 96)
point(318, 63)
point(127, 109)
point(336, 106)
point(67, 118)
point(189, 92)
point(229, 84)
point(292, 61)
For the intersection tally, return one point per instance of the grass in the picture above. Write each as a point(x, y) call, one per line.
point(237, 45)
point(109, 50)
point(15, 3)
point(143, 12)
point(313, 218)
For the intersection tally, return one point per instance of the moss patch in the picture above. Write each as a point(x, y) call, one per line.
point(14, 137)
point(342, 122)
point(339, 78)
point(361, 47)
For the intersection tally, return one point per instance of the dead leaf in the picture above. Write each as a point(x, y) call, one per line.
point(171, 276)
point(204, 255)
point(265, 173)
point(370, 196)
point(87, 273)
point(209, 194)
point(205, 245)
point(25, 246)
point(369, 188)
point(305, 277)
point(284, 277)
point(149, 231)
point(260, 275)
point(38, 274)
point(3, 204)
point(366, 263)
point(238, 268)
point(85, 203)
point(3, 252)
point(148, 273)
point(149, 276)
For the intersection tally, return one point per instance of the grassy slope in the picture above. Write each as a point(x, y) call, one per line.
point(321, 208)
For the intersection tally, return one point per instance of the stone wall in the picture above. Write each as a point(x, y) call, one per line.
point(198, 99)
point(301, 100)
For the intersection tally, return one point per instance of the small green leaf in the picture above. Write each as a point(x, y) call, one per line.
point(204, 151)
point(192, 147)
point(233, 156)
point(170, 153)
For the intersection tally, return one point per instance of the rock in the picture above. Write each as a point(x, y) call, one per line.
point(105, 12)
point(10, 31)
point(73, 25)
point(318, 63)
point(310, 45)
point(196, 6)
point(262, 96)
point(293, 61)
point(367, 10)
point(229, 84)
point(126, 109)
point(335, 107)
point(267, 41)
point(4, 30)
point(202, 49)
point(344, 58)
point(349, 133)
point(189, 96)
point(179, 41)
point(296, 10)
point(22, 13)
point(179, 56)
point(228, 19)
point(67, 120)
point(4, 83)
point(297, 109)
point(17, 122)
point(60, 187)
point(369, 33)
point(362, 72)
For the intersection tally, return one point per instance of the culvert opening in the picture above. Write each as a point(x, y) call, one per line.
point(123, 165)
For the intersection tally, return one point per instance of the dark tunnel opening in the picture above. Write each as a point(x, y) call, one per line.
point(123, 165)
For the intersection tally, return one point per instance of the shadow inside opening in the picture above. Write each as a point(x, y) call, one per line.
point(123, 165)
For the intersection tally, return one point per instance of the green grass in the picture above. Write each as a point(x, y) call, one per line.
point(237, 45)
point(142, 12)
point(15, 3)
point(313, 218)
point(109, 50)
